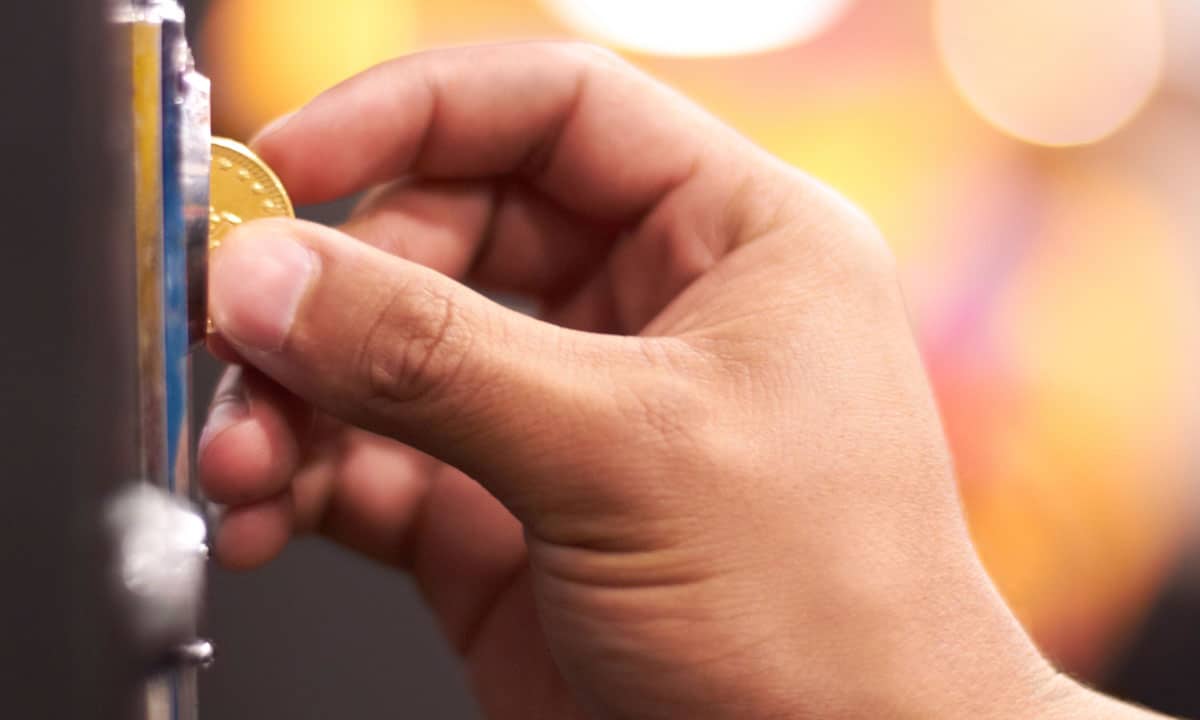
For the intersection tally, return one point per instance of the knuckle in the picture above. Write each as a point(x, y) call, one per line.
point(852, 253)
point(859, 275)
point(414, 348)
point(871, 255)
point(860, 245)
point(586, 54)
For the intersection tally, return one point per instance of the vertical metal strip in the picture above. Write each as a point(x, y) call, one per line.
point(146, 40)
point(176, 61)
point(146, 37)
point(197, 166)
point(159, 386)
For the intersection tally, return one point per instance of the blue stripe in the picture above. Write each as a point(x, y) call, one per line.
point(175, 310)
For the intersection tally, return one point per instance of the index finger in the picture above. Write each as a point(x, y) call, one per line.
point(578, 123)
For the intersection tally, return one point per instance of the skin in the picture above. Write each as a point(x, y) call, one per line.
point(708, 480)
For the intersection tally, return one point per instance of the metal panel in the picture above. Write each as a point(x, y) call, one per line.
point(67, 361)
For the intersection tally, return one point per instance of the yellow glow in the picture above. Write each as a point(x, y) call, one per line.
point(1091, 460)
point(897, 154)
point(699, 27)
point(268, 57)
point(1053, 72)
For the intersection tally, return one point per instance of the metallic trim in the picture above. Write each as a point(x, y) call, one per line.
point(170, 118)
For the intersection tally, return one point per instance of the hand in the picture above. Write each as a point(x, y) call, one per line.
point(709, 481)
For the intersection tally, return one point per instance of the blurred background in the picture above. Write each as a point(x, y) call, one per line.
point(1035, 166)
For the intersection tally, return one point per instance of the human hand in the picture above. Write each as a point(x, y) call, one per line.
point(709, 481)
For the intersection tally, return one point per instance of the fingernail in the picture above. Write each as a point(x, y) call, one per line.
point(256, 284)
point(227, 411)
point(272, 127)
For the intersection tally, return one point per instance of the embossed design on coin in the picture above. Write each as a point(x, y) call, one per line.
point(243, 188)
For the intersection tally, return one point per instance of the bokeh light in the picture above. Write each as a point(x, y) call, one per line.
point(269, 57)
point(704, 27)
point(1054, 72)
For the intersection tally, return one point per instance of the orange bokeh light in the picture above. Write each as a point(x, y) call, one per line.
point(268, 57)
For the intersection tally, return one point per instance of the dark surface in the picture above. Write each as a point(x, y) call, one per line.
point(1158, 667)
point(66, 362)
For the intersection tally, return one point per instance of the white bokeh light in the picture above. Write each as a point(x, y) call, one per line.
point(1053, 72)
point(699, 27)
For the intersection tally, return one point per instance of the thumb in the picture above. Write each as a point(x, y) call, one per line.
point(399, 349)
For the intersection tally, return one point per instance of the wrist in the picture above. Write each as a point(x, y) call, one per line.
point(970, 659)
point(992, 681)
point(1004, 678)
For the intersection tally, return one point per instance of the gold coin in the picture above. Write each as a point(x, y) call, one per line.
point(242, 189)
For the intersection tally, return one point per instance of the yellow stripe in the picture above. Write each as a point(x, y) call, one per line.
point(146, 40)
